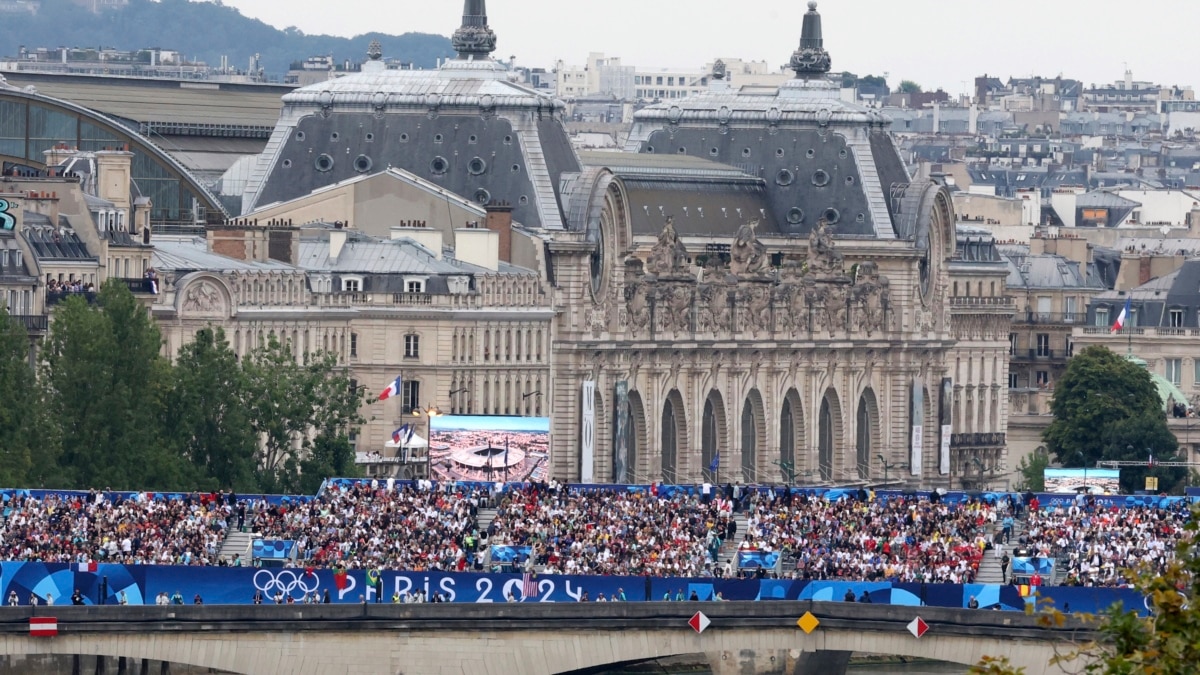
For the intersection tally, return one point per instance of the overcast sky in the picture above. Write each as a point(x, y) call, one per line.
point(938, 43)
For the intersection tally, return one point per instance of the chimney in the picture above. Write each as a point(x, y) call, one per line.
point(477, 246)
point(499, 220)
point(113, 176)
point(337, 241)
point(58, 154)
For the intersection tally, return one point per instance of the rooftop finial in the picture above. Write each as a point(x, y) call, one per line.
point(811, 59)
point(474, 38)
point(374, 50)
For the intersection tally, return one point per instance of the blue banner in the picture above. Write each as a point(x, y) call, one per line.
point(507, 555)
point(142, 584)
point(756, 559)
point(1030, 566)
point(273, 549)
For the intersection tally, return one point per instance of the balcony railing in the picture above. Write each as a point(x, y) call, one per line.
point(1036, 354)
point(137, 285)
point(977, 440)
point(34, 323)
point(55, 297)
point(982, 301)
point(1149, 332)
point(1050, 318)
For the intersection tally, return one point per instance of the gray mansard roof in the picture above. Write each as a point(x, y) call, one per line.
point(465, 127)
point(817, 155)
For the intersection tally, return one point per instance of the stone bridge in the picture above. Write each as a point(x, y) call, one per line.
point(529, 639)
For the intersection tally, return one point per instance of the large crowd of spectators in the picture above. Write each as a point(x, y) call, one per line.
point(100, 527)
point(427, 526)
point(904, 539)
point(366, 526)
point(1096, 546)
point(615, 533)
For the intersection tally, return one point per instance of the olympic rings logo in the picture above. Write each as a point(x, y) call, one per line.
point(286, 582)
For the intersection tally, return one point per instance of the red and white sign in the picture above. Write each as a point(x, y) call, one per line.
point(699, 622)
point(43, 626)
point(918, 627)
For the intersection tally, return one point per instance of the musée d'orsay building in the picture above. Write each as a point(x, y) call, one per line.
point(755, 289)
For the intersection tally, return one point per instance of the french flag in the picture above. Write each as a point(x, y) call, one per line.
point(393, 389)
point(402, 435)
point(85, 567)
point(1124, 315)
point(43, 626)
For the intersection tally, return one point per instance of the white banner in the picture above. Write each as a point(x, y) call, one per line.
point(917, 443)
point(587, 434)
point(944, 456)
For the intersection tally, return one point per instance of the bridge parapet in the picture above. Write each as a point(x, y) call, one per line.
point(527, 638)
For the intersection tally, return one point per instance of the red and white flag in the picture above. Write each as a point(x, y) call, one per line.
point(393, 389)
point(86, 566)
point(529, 586)
point(43, 626)
point(1123, 316)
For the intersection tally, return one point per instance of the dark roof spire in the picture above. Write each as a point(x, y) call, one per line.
point(474, 39)
point(811, 60)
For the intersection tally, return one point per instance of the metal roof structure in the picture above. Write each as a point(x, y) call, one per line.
point(186, 254)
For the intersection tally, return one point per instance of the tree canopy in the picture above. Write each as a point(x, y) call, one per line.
point(909, 87)
point(1106, 407)
point(110, 411)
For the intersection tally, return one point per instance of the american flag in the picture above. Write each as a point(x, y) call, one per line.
point(528, 585)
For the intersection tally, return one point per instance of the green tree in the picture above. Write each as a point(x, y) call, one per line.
point(107, 383)
point(292, 405)
point(909, 87)
point(1032, 469)
point(1103, 405)
point(1166, 641)
point(26, 430)
point(208, 420)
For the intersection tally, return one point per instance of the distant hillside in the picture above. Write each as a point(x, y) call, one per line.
point(202, 31)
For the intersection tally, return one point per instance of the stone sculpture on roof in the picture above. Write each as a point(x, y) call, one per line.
point(811, 59)
point(747, 255)
point(824, 260)
point(669, 254)
point(719, 71)
point(474, 39)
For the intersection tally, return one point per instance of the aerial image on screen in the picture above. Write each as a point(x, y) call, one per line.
point(487, 448)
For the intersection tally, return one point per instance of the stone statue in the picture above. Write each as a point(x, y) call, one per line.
point(668, 255)
point(714, 313)
point(869, 296)
point(637, 298)
point(824, 260)
point(202, 297)
point(747, 255)
point(719, 70)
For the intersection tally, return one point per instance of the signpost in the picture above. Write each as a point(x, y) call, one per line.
point(43, 626)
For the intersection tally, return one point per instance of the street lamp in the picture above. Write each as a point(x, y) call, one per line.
point(428, 413)
point(888, 467)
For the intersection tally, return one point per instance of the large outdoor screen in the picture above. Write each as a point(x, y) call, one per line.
point(1094, 481)
point(487, 448)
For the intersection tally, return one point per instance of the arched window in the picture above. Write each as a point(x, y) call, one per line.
point(864, 439)
point(668, 443)
point(787, 442)
point(708, 444)
point(749, 444)
point(825, 441)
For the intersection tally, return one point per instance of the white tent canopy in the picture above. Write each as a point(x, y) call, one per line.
point(415, 442)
